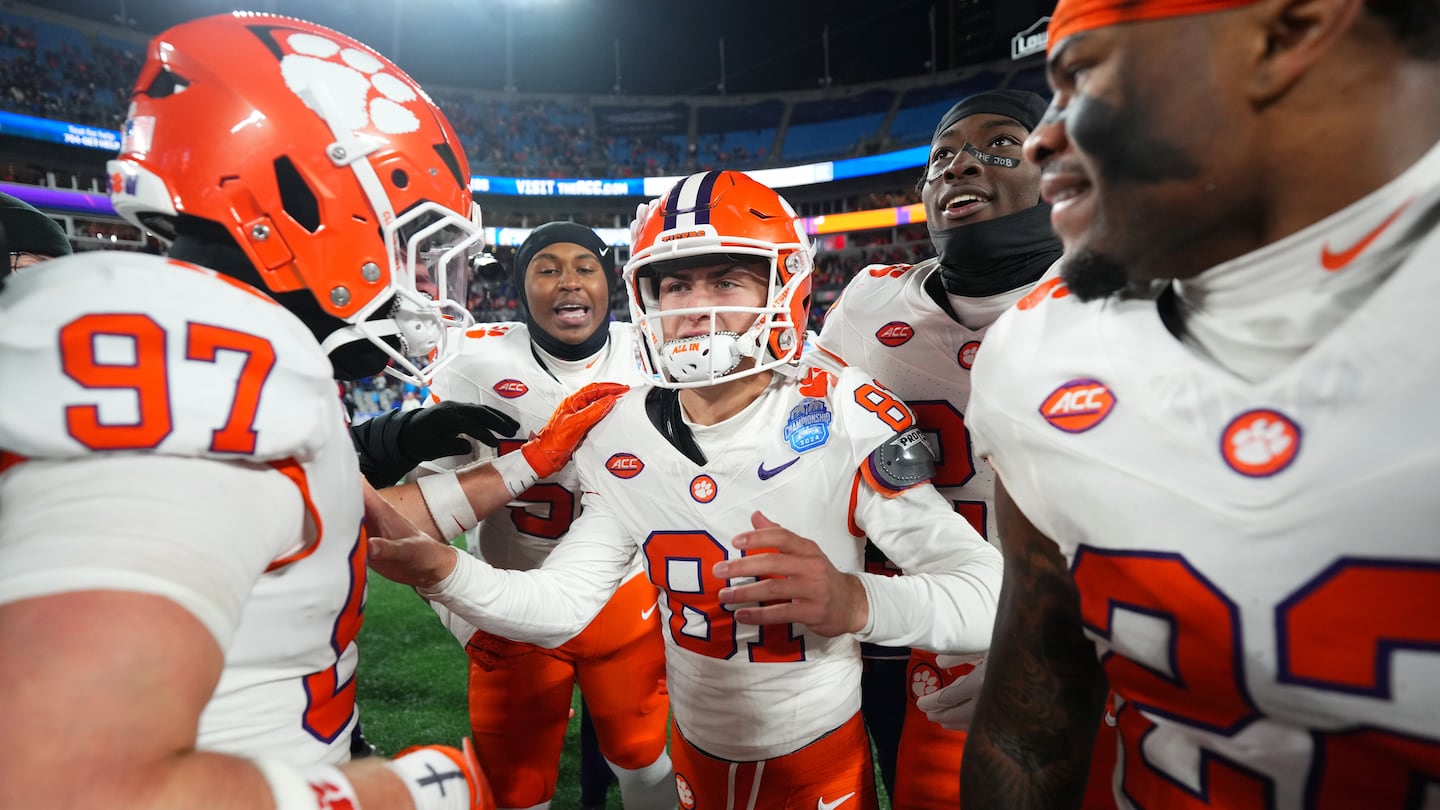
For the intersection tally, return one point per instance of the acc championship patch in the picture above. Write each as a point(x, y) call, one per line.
point(808, 426)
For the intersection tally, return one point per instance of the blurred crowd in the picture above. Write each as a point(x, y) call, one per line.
point(50, 71)
point(58, 73)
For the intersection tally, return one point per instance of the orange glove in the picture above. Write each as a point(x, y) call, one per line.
point(549, 450)
point(431, 771)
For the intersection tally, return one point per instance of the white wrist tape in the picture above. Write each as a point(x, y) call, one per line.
point(306, 789)
point(516, 471)
point(449, 507)
point(434, 780)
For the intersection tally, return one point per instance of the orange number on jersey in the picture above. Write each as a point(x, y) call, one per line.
point(689, 557)
point(1335, 633)
point(954, 464)
point(329, 703)
point(883, 404)
point(561, 501)
point(1371, 609)
point(205, 342)
point(141, 366)
point(142, 370)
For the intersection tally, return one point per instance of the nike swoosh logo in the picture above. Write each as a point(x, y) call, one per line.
point(766, 475)
point(821, 804)
point(1337, 261)
point(650, 611)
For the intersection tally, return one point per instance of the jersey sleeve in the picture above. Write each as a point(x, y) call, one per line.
point(991, 415)
point(184, 529)
point(872, 416)
point(551, 604)
point(839, 336)
point(946, 601)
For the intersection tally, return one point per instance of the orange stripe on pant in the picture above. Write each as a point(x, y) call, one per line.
point(520, 696)
point(834, 772)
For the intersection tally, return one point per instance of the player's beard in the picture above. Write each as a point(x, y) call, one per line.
point(1091, 276)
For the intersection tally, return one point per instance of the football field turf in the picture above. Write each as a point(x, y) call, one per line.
point(412, 684)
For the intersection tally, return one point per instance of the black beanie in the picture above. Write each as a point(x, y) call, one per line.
point(541, 238)
point(550, 233)
point(1022, 105)
point(29, 230)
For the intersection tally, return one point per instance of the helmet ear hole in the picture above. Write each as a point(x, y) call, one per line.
point(296, 198)
point(166, 83)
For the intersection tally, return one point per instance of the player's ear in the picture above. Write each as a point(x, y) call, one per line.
point(1288, 37)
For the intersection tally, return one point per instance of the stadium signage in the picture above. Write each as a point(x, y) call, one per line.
point(1031, 40)
point(530, 187)
point(61, 132)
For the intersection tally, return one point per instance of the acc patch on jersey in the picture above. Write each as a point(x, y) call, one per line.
point(1078, 405)
point(808, 426)
point(510, 389)
point(895, 333)
point(624, 465)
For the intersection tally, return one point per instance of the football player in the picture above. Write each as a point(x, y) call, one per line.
point(519, 694)
point(920, 327)
point(1215, 438)
point(182, 571)
point(762, 623)
point(31, 237)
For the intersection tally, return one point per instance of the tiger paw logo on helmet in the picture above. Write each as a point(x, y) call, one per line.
point(366, 95)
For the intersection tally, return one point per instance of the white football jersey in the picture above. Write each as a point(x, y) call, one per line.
point(739, 691)
point(1258, 562)
point(801, 454)
point(886, 323)
point(129, 356)
point(499, 367)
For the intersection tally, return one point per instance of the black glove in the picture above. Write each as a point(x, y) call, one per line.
point(392, 443)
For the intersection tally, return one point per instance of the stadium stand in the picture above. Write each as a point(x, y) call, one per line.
point(835, 127)
point(81, 74)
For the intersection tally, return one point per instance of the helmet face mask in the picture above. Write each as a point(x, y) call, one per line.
point(711, 219)
point(329, 167)
point(433, 253)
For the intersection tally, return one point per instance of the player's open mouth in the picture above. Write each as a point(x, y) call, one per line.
point(963, 205)
point(572, 314)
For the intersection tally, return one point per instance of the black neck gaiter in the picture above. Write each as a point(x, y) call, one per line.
point(559, 348)
point(989, 258)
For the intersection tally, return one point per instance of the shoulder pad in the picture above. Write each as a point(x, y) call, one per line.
point(484, 330)
point(903, 461)
point(886, 270)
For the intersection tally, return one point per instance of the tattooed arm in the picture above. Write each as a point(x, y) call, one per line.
point(1044, 691)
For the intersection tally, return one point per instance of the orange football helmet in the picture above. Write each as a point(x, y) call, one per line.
point(330, 167)
point(724, 214)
